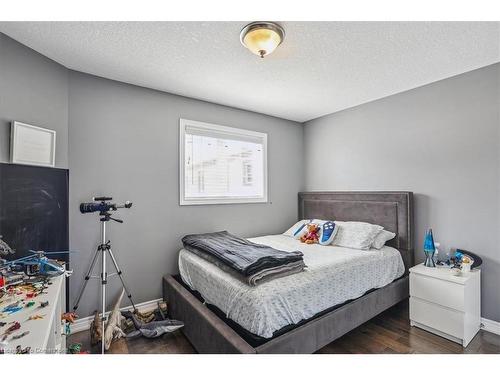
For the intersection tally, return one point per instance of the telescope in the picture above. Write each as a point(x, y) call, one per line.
point(102, 205)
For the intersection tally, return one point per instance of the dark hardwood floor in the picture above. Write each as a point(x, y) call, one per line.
point(389, 332)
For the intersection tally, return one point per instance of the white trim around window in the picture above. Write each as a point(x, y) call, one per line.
point(203, 129)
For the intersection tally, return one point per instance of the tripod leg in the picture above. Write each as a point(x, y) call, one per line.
point(119, 273)
point(86, 280)
point(104, 280)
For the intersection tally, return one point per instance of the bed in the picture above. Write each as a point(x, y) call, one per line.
point(301, 313)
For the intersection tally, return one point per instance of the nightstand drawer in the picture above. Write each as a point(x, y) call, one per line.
point(444, 293)
point(437, 317)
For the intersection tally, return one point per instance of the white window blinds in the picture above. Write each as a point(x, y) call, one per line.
point(220, 164)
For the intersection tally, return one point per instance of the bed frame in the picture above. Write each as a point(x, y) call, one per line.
point(393, 210)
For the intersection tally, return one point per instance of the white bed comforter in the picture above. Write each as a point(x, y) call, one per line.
point(333, 275)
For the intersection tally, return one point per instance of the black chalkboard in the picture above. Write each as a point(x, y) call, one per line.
point(34, 209)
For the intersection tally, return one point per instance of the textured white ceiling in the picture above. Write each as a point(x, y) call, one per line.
point(321, 67)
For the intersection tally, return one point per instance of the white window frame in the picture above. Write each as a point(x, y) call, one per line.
point(183, 201)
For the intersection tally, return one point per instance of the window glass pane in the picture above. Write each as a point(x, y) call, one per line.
point(223, 167)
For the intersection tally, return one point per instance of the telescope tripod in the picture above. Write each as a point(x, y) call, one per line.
point(105, 249)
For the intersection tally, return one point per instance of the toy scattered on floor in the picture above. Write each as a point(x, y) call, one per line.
point(312, 234)
point(29, 304)
point(160, 313)
point(145, 316)
point(69, 317)
point(96, 329)
point(144, 323)
point(162, 309)
point(155, 314)
point(113, 330)
point(44, 304)
point(76, 349)
point(152, 329)
point(67, 328)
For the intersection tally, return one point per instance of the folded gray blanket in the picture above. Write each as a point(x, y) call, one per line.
point(241, 255)
point(257, 278)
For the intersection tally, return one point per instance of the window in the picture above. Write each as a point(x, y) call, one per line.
point(220, 164)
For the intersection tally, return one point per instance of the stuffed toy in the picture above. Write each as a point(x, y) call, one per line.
point(312, 234)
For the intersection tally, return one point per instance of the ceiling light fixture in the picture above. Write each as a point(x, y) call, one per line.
point(262, 38)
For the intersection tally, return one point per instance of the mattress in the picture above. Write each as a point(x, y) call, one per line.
point(333, 276)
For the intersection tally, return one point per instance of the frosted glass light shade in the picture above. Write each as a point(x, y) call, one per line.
point(262, 38)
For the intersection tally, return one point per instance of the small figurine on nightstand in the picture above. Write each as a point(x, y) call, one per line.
point(429, 249)
point(465, 261)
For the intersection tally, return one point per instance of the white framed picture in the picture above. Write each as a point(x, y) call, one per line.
point(32, 145)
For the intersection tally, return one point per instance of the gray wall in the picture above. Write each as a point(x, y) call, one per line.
point(34, 90)
point(440, 141)
point(124, 143)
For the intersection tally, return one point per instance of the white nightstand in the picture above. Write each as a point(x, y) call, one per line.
point(445, 304)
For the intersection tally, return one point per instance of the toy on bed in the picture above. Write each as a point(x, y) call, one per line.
point(327, 234)
point(314, 231)
point(312, 234)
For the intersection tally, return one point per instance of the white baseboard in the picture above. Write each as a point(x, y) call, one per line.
point(83, 324)
point(490, 326)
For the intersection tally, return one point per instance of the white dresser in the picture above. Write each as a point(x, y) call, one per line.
point(46, 335)
point(445, 304)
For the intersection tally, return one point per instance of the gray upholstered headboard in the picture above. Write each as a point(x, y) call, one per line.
point(392, 210)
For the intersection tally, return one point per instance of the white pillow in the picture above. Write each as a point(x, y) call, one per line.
point(356, 234)
point(382, 238)
point(295, 228)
